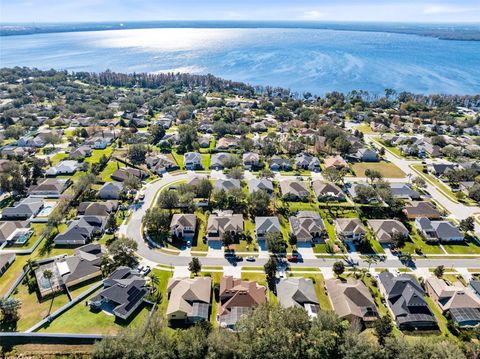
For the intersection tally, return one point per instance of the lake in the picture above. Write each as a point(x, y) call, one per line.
point(300, 59)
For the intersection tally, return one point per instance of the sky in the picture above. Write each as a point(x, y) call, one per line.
point(457, 11)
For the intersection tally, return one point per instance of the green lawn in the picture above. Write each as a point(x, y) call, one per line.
point(416, 241)
point(387, 169)
point(178, 158)
point(111, 167)
point(58, 157)
point(163, 276)
point(468, 247)
point(369, 282)
point(206, 160)
point(97, 154)
point(80, 319)
point(320, 291)
point(442, 321)
point(215, 279)
point(197, 243)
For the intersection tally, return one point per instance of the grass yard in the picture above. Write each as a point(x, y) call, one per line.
point(111, 167)
point(97, 154)
point(197, 243)
point(387, 169)
point(442, 321)
point(163, 276)
point(377, 296)
point(320, 291)
point(206, 160)
point(179, 159)
point(80, 319)
point(213, 313)
point(467, 247)
point(58, 157)
point(416, 241)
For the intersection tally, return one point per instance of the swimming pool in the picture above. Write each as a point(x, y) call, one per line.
point(21, 237)
point(46, 210)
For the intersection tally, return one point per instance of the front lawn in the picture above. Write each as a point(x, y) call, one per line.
point(387, 169)
point(320, 291)
point(97, 154)
point(206, 160)
point(179, 159)
point(111, 167)
point(467, 247)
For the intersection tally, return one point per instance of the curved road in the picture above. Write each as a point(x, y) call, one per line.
point(134, 230)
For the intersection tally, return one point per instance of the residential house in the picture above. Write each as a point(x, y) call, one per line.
point(384, 229)
point(404, 191)
point(14, 152)
point(189, 299)
point(308, 227)
point(221, 222)
point(192, 161)
point(183, 226)
point(335, 161)
point(438, 231)
point(475, 287)
point(6, 260)
point(204, 141)
point(227, 143)
point(294, 190)
point(102, 209)
point(80, 231)
point(218, 159)
point(80, 153)
point(439, 169)
point(110, 190)
point(161, 164)
point(251, 160)
point(405, 298)
point(226, 184)
point(265, 225)
point(124, 173)
point(68, 271)
point(298, 292)
point(67, 167)
point(352, 188)
point(458, 302)
point(306, 161)
point(49, 188)
point(351, 300)
point(237, 297)
point(196, 179)
point(278, 163)
point(123, 292)
point(260, 184)
point(25, 209)
point(327, 192)
point(349, 229)
point(366, 155)
point(9, 230)
point(418, 209)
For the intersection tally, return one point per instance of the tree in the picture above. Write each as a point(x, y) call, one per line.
point(9, 308)
point(371, 260)
point(406, 258)
point(228, 239)
point(419, 182)
point(275, 243)
point(271, 271)
point(338, 268)
point(204, 188)
point(136, 153)
point(235, 173)
point(187, 137)
point(266, 173)
point(157, 132)
point(132, 183)
point(292, 239)
point(122, 253)
point(258, 203)
point(373, 175)
point(332, 174)
point(467, 224)
point(382, 328)
point(364, 194)
point(398, 240)
point(48, 275)
point(195, 266)
point(168, 200)
point(439, 271)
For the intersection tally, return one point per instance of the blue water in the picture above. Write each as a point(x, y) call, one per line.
point(300, 59)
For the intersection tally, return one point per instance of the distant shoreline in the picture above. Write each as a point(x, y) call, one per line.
point(456, 32)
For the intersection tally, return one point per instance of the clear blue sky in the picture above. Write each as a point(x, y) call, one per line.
point(322, 10)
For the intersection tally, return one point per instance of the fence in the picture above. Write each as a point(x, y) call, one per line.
point(12, 339)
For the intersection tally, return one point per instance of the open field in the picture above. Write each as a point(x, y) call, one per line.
point(387, 169)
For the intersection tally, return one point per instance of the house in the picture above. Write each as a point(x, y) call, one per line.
point(102, 209)
point(161, 164)
point(352, 189)
point(294, 190)
point(122, 174)
point(80, 231)
point(404, 296)
point(438, 231)
point(278, 163)
point(227, 143)
point(189, 299)
point(25, 209)
point(261, 184)
point(306, 161)
point(307, 226)
point(458, 302)
point(221, 222)
point(351, 300)
point(204, 141)
point(366, 155)
point(49, 188)
point(123, 292)
point(335, 161)
point(68, 167)
point(298, 292)
point(439, 169)
point(10, 229)
point(265, 225)
point(327, 192)
point(226, 184)
point(183, 226)
point(475, 287)
point(68, 271)
point(6, 260)
point(34, 142)
point(13, 151)
point(110, 190)
point(237, 297)
point(80, 152)
point(384, 229)
point(218, 159)
point(196, 179)
point(192, 161)
point(417, 209)
point(251, 160)
point(349, 229)
point(404, 191)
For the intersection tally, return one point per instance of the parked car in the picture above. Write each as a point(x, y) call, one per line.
point(251, 259)
point(292, 258)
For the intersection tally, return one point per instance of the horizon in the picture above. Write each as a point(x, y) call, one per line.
point(391, 11)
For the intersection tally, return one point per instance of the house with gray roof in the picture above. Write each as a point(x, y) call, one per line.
point(226, 184)
point(80, 152)
point(80, 231)
point(123, 292)
point(327, 192)
point(349, 229)
point(161, 164)
point(294, 190)
point(183, 225)
point(192, 161)
point(218, 159)
point(67, 167)
point(384, 229)
point(27, 208)
point(405, 299)
point(278, 163)
point(404, 191)
point(102, 209)
point(366, 155)
point(250, 160)
point(110, 190)
point(438, 231)
point(308, 227)
point(298, 292)
point(221, 222)
point(306, 161)
point(6, 260)
point(265, 225)
point(260, 184)
point(49, 188)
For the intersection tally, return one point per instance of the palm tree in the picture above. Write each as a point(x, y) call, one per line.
point(405, 258)
point(48, 274)
point(371, 260)
point(154, 282)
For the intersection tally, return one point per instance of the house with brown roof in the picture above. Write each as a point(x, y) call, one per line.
point(351, 300)
point(189, 299)
point(419, 209)
point(294, 190)
point(227, 143)
point(102, 209)
point(459, 302)
point(183, 225)
point(384, 229)
point(298, 292)
point(335, 161)
point(221, 222)
point(328, 192)
point(307, 226)
point(49, 188)
point(122, 174)
point(237, 297)
point(349, 229)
